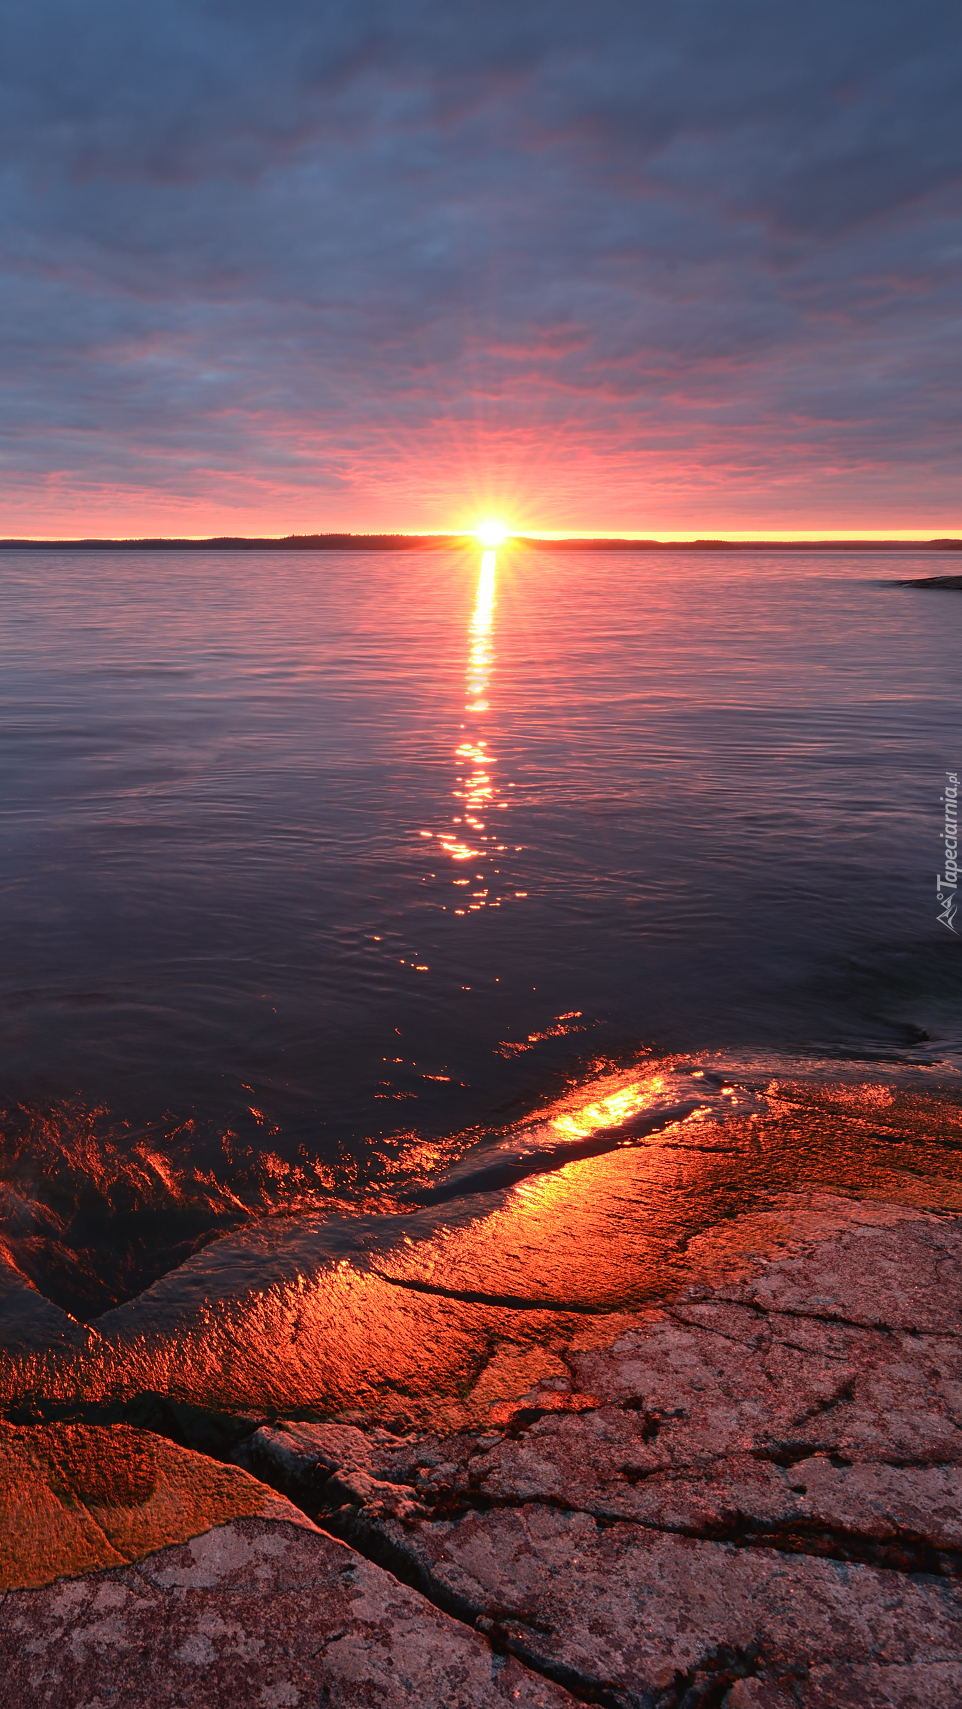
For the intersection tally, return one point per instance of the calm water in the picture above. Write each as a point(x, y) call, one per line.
point(309, 858)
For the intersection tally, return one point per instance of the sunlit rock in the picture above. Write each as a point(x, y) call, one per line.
point(74, 1498)
point(749, 1494)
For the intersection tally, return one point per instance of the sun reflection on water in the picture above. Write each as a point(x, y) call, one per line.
point(479, 662)
point(608, 1112)
point(475, 790)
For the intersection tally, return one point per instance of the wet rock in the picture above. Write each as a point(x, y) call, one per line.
point(255, 1613)
point(751, 1496)
point(399, 1309)
point(74, 1498)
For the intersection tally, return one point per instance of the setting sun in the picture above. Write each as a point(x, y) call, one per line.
point(491, 532)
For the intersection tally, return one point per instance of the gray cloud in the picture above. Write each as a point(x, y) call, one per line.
point(262, 251)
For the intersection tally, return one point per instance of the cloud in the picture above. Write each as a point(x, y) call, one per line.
point(302, 264)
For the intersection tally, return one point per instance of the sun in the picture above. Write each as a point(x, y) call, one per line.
point(491, 532)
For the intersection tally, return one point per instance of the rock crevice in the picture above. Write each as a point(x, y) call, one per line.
point(701, 1512)
point(681, 1508)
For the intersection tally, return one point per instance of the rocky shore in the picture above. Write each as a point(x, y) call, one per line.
point(748, 1494)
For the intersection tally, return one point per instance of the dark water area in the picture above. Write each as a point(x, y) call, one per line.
point(321, 873)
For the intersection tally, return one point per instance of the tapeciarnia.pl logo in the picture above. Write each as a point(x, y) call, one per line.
point(947, 884)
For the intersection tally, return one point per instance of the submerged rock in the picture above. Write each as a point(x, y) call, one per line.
point(399, 1312)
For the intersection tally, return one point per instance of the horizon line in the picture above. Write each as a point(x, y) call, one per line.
point(349, 539)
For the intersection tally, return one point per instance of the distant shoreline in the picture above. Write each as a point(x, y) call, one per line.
point(429, 542)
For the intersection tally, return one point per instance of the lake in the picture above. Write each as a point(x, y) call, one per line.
point(318, 868)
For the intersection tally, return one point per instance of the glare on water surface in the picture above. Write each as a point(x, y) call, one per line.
point(476, 792)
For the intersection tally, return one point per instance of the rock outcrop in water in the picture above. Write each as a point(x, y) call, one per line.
point(933, 581)
point(749, 1495)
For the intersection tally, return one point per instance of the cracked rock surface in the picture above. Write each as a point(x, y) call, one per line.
point(753, 1496)
point(746, 1497)
point(251, 1613)
point(74, 1498)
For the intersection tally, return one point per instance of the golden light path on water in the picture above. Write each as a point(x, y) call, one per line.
point(479, 663)
point(475, 787)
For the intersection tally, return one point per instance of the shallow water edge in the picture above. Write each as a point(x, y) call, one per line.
point(414, 1302)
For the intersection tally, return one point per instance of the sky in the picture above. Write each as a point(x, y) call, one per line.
point(275, 266)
